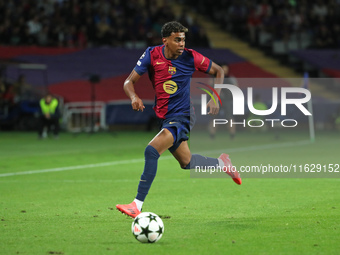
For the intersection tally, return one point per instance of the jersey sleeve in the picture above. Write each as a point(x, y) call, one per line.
point(143, 62)
point(201, 62)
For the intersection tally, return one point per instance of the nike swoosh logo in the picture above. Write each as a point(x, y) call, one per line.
point(158, 63)
point(172, 122)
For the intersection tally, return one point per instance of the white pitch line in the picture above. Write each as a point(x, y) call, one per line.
point(131, 161)
point(68, 168)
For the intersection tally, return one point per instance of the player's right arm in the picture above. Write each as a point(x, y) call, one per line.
point(129, 85)
point(129, 88)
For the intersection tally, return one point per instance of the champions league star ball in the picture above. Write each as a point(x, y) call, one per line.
point(147, 227)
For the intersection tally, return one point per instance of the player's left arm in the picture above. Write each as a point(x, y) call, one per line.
point(218, 72)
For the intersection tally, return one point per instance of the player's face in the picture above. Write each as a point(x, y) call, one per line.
point(175, 43)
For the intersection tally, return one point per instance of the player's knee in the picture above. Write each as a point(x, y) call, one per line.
point(185, 164)
point(151, 153)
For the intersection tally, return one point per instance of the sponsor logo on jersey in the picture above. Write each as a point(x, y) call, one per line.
point(170, 87)
point(172, 70)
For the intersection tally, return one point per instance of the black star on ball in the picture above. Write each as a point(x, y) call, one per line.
point(145, 231)
point(152, 217)
point(160, 230)
point(136, 220)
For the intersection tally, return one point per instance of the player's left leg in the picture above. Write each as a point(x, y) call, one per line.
point(156, 147)
point(160, 143)
point(191, 161)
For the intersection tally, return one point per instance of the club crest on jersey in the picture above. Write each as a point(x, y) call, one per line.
point(170, 87)
point(172, 70)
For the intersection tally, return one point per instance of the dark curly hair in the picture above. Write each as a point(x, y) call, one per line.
point(172, 27)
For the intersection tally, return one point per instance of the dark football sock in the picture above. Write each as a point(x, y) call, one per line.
point(150, 169)
point(201, 161)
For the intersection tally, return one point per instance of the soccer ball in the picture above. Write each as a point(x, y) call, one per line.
point(147, 227)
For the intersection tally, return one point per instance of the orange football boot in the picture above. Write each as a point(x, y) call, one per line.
point(228, 168)
point(130, 209)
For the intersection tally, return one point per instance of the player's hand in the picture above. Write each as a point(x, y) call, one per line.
point(213, 108)
point(137, 104)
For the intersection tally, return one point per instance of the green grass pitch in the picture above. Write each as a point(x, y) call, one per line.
point(64, 200)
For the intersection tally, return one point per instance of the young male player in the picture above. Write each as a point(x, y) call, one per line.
point(170, 67)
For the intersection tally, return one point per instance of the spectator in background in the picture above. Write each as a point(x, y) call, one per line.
point(43, 36)
point(34, 25)
point(49, 115)
point(7, 93)
point(90, 30)
point(253, 24)
point(47, 6)
point(3, 90)
point(264, 9)
point(5, 31)
point(320, 9)
point(235, 21)
point(6, 98)
point(71, 38)
point(294, 20)
point(324, 38)
point(74, 23)
point(281, 19)
point(15, 38)
point(336, 35)
point(82, 39)
point(104, 31)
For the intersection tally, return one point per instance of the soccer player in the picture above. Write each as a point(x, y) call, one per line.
point(170, 67)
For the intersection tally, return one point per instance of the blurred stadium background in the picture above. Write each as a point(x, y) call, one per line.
point(81, 51)
point(58, 196)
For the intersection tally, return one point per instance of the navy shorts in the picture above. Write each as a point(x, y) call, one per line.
point(180, 127)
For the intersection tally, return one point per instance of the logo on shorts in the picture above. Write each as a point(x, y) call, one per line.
point(170, 87)
point(172, 70)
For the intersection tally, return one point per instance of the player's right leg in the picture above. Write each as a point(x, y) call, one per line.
point(191, 161)
point(160, 143)
point(229, 169)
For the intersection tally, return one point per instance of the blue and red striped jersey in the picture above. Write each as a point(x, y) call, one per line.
point(171, 78)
